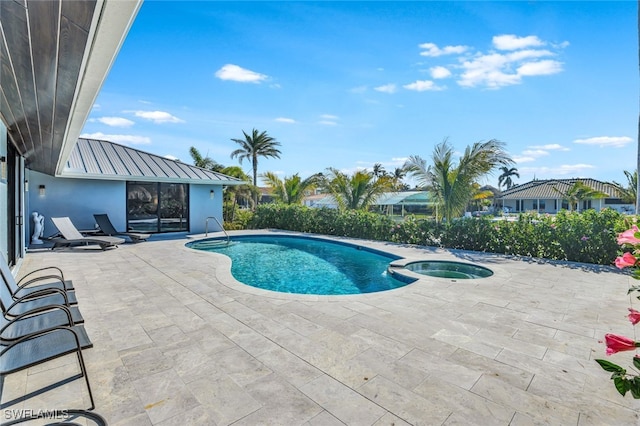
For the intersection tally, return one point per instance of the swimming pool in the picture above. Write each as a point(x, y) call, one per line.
point(303, 265)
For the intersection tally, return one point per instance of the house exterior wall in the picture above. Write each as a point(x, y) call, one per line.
point(77, 199)
point(201, 206)
point(550, 206)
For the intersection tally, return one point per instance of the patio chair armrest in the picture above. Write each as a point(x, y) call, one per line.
point(60, 275)
point(37, 311)
point(22, 285)
point(37, 294)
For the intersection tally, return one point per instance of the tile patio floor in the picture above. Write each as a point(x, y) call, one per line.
point(177, 341)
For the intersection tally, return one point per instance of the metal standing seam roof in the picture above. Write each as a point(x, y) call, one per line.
point(407, 198)
point(544, 189)
point(411, 198)
point(104, 160)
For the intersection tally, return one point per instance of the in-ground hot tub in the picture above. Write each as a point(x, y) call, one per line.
point(449, 269)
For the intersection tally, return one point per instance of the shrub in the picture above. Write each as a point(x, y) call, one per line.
point(587, 236)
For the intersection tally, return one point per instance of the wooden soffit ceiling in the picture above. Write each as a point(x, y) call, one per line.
point(54, 57)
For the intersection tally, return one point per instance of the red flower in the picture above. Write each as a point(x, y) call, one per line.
point(617, 343)
point(634, 316)
point(625, 260)
point(628, 236)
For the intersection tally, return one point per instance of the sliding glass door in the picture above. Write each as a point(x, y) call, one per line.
point(157, 207)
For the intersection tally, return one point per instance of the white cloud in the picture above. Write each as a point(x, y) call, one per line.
point(171, 157)
point(605, 141)
point(535, 152)
point(440, 72)
point(116, 121)
point(431, 49)
point(422, 86)
point(496, 70)
point(513, 42)
point(327, 123)
point(235, 73)
point(285, 120)
point(546, 67)
point(523, 159)
point(574, 170)
point(123, 139)
point(329, 117)
point(387, 88)
point(158, 117)
point(550, 147)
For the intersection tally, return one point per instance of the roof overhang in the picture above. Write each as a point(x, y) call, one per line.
point(57, 55)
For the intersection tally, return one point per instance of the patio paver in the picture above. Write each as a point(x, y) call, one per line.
point(178, 341)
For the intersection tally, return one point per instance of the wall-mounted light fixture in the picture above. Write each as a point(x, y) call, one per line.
point(42, 190)
point(3, 168)
point(211, 194)
point(26, 186)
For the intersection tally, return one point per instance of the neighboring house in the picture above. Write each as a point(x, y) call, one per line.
point(139, 191)
point(540, 196)
point(391, 203)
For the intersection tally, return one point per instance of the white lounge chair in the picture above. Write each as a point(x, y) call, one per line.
point(71, 236)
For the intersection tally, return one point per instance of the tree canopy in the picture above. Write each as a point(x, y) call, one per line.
point(291, 190)
point(355, 192)
point(451, 183)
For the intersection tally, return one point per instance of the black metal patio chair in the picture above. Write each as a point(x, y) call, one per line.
point(40, 347)
point(55, 284)
point(107, 228)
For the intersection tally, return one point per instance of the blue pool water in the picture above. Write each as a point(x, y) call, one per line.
point(305, 265)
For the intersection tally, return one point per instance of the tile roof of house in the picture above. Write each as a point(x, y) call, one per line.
point(544, 189)
point(98, 159)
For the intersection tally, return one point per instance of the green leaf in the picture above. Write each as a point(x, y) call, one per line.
point(635, 389)
point(636, 363)
point(611, 367)
point(633, 288)
point(622, 385)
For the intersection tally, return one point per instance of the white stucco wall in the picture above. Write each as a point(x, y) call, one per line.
point(77, 199)
point(201, 206)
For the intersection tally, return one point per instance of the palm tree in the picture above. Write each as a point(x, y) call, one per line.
point(630, 192)
point(258, 144)
point(505, 178)
point(356, 192)
point(451, 184)
point(236, 193)
point(204, 162)
point(291, 190)
point(577, 192)
point(398, 174)
point(378, 170)
point(480, 195)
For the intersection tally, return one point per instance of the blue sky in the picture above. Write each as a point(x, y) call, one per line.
point(351, 84)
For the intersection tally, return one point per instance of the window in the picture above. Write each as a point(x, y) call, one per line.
point(614, 201)
point(157, 207)
point(542, 205)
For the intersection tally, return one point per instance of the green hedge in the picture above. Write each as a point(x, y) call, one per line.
point(588, 236)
